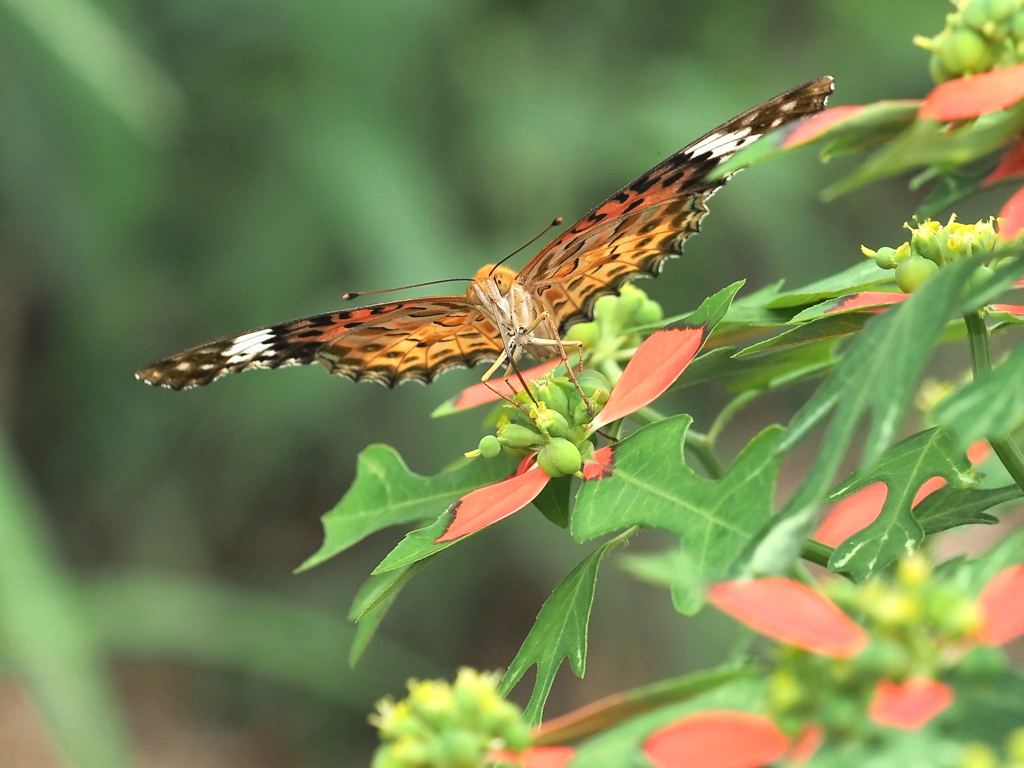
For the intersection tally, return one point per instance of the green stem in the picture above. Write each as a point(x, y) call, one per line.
point(1003, 446)
point(704, 450)
point(816, 552)
point(731, 409)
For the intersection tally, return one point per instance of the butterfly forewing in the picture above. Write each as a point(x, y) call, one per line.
point(636, 229)
point(389, 343)
point(629, 234)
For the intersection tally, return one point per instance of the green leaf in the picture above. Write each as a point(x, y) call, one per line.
point(828, 327)
point(931, 142)
point(877, 377)
point(417, 545)
point(675, 569)
point(973, 575)
point(1008, 272)
point(952, 187)
point(386, 493)
point(861, 276)
point(990, 406)
point(896, 532)
point(988, 707)
point(952, 507)
point(559, 632)
point(553, 501)
point(372, 602)
point(651, 485)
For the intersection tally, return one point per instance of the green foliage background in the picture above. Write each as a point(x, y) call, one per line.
point(175, 171)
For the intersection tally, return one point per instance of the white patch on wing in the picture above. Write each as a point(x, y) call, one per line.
point(248, 346)
point(722, 144)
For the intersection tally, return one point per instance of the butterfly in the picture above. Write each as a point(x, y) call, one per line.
point(505, 314)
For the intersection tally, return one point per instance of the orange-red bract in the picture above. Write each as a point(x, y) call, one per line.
point(1012, 215)
point(867, 299)
point(717, 739)
point(909, 705)
point(600, 465)
point(976, 95)
point(535, 757)
point(481, 393)
point(655, 365)
point(1011, 164)
point(487, 505)
point(1002, 607)
point(853, 513)
point(792, 613)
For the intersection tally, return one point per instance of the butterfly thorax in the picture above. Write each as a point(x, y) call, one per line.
point(511, 307)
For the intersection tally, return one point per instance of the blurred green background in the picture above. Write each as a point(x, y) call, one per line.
point(175, 171)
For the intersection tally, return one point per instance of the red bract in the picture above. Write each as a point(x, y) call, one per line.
point(866, 299)
point(1002, 607)
point(717, 739)
point(813, 127)
point(487, 505)
point(482, 393)
point(854, 513)
point(792, 613)
point(1012, 164)
point(976, 95)
point(1012, 216)
point(600, 466)
point(535, 757)
point(656, 364)
point(909, 705)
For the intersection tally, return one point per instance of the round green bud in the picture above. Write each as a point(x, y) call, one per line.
point(1001, 10)
point(884, 257)
point(592, 382)
point(553, 395)
point(489, 447)
point(979, 276)
point(559, 457)
point(587, 333)
point(604, 308)
point(516, 735)
point(552, 422)
point(978, 755)
point(630, 300)
point(458, 748)
point(937, 69)
point(910, 274)
point(1017, 25)
point(519, 436)
point(976, 14)
point(650, 312)
point(965, 51)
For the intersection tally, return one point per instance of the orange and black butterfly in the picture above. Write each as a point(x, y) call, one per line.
point(504, 314)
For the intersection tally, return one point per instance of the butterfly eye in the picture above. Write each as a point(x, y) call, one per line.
point(503, 281)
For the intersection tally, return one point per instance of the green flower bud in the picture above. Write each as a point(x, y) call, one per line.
point(587, 333)
point(592, 382)
point(458, 748)
point(911, 273)
point(604, 308)
point(650, 312)
point(516, 735)
point(553, 394)
point(965, 51)
point(1017, 25)
point(551, 422)
point(937, 69)
point(979, 276)
point(926, 243)
point(559, 457)
point(883, 257)
point(630, 300)
point(978, 755)
point(519, 436)
point(489, 447)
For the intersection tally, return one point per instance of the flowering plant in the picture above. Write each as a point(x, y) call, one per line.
point(886, 651)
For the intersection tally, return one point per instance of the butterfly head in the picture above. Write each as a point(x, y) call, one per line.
point(501, 277)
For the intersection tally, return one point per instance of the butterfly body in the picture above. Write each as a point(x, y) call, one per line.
point(504, 313)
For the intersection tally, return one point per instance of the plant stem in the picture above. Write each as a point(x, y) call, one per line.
point(704, 450)
point(816, 552)
point(1003, 446)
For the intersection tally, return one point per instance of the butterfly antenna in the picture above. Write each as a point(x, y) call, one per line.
point(556, 222)
point(356, 294)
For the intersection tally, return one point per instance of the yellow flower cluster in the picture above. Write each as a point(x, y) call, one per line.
point(448, 725)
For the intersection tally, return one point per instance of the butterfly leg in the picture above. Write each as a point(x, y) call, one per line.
point(502, 358)
point(556, 341)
